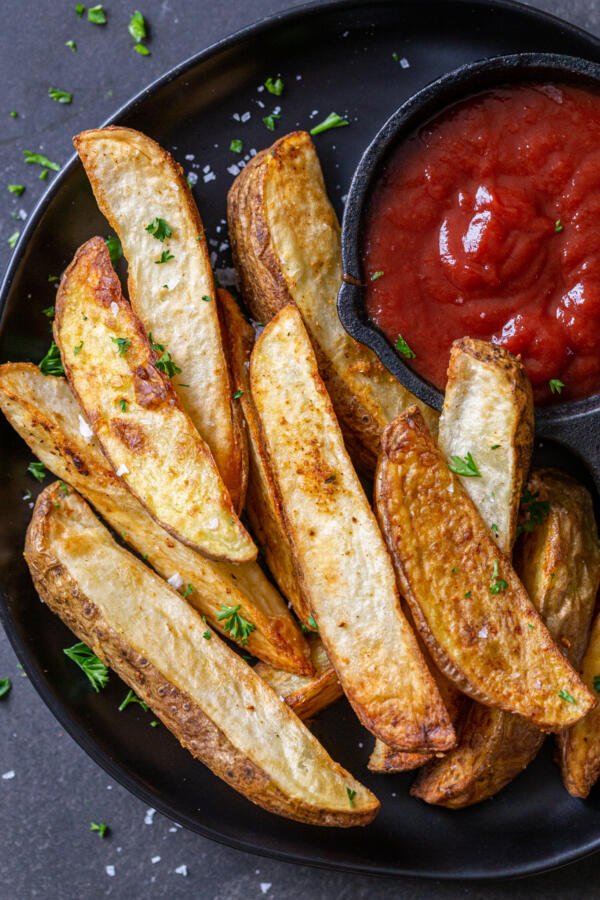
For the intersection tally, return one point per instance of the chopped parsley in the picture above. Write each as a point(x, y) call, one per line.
point(79, 9)
point(465, 466)
point(495, 447)
point(206, 298)
point(13, 114)
point(141, 49)
point(597, 683)
point(123, 405)
point(159, 228)
point(130, 697)
point(332, 121)
point(51, 364)
point(100, 828)
point(235, 625)
point(60, 96)
point(555, 385)
point(188, 590)
point(236, 146)
point(71, 45)
point(5, 686)
point(17, 189)
point(566, 696)
point(137, 26)
point(165, 256)
point(115, 250)
point(494, 529)
point(467, 595)
point(153, 723)
point(558, 226)
point(123, 345)
point(206, 635)
point(12, 241)
point(239, 393)
point(533, 511)
point(376, 275)
point(49, 311)
point(330, 479)
point(93, 668)
point(43, 175)
point(269, 121)
point(38, 159)
point(312, 622)
point(497, 584)
point(274, 86)
point(351, 796)
point(63, 489)
point(165, 362)
point(403, 348)
point(96, 15)
point(77, 349)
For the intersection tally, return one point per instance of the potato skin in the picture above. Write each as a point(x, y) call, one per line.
point(558, 563)
point(278, 263)
point(179, 712)
point(445, 559)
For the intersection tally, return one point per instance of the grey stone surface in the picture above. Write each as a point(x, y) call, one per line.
point(46, 848)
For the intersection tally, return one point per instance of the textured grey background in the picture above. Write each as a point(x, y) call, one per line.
point(46, 849)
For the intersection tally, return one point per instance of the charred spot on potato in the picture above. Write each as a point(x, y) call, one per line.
point(151, 391)
point(130, 434)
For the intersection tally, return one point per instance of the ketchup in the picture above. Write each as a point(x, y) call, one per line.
point(486, 222)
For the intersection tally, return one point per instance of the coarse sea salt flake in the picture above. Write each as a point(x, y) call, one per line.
point(182, 870)
point(404, 63)
point(265, 887)
point(8, 775)
point(192, 178)
point(122, 470)
point(84, 429)
point(483, 632)
point(175, 580)
point(149, 817)
point(114, 308)
point(212, 524)
point(155, 859)
point(210, 176)
point(233, 169)
point(110, 871)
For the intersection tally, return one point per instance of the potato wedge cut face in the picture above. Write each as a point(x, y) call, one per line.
point(45, 413)
point(263, 506)
point(134, 411)
point(136, 182)
point(338, 550)
point(203, 692)
point(287, 248)
point(306, 695)
point(470, 607)
point(578, 748)
point(488, 412)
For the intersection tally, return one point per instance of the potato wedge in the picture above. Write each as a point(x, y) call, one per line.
point(306, 695)
point(135, 413)
point(559, 564)
point(135, 182)
point(285, 240)
point(466, 600)
point(262, 504)
point(578, 748)
point(338, 550)
point(208, 697)
point(488, 412)
point(46, 415)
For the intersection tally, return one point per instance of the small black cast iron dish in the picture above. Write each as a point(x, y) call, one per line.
point(572, 430)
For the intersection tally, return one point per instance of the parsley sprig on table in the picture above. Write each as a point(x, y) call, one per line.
point(93, 668)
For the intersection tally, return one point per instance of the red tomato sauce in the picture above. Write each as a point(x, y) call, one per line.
point(486, 223)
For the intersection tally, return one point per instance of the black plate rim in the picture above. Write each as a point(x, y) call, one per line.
point(30, 665)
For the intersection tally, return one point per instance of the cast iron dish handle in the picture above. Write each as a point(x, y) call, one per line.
point(574, 426)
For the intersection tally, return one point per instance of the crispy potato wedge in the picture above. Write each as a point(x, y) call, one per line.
point(285, 240)
point(213, 703)
point(466, 600)
point(488, 412)
point(134, 182)
point(135, 413)
point(46, 415)
point(338, 550)
point(578, 748)
point(306, 695)
point(262, 504)
point(559, 564)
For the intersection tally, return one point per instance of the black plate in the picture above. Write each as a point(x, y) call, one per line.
point(343, 52)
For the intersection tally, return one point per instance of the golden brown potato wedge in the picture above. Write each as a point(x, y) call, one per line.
point(209, 698)
point(306, 695)
point(339, 553)
point(559, 564)
point(262, 504)
point(135, 183)
point(46, 415)
point(285, 239)
point(488, 412)
point(578, 748)
point(466, 600)
point(135, 413)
